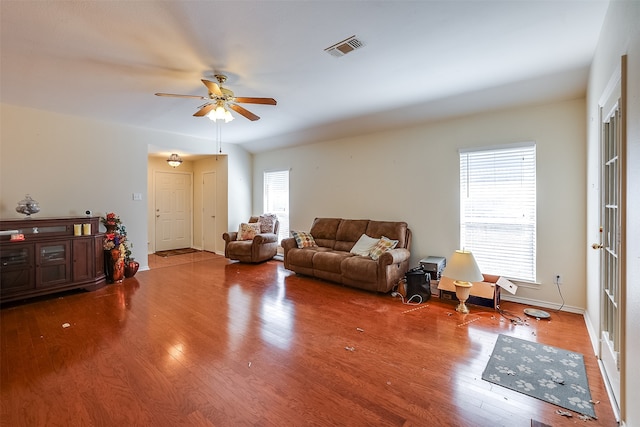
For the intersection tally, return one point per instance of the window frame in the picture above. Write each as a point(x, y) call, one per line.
point(283, 215)
point(504, 241)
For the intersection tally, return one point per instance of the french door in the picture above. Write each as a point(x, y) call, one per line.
point(612, 220)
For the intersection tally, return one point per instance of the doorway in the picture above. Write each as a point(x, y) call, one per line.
point(173, 211)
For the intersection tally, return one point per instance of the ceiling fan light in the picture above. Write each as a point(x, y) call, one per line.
point(174, 160)
point(220, 112)
point(227, 116)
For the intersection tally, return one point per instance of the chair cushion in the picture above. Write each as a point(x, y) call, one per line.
point(247, 231)
point(267, 223)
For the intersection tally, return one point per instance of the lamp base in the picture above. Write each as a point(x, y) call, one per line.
point(463, 290)
point(462, 308)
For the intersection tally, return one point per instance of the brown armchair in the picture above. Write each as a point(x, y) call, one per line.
point(263, 247)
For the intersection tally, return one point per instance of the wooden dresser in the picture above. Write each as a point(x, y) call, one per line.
point(53, 256)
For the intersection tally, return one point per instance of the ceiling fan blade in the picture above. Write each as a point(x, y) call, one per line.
point(181, 96)
point(243, 111)
point(249, 100)
point(213, 87)
point(204, 110)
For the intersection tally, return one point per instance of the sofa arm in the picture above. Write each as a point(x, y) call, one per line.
point(230, 236)
point(288, 243)
point(265, 238)
point(394, 256)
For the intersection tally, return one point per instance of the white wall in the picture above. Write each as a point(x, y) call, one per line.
point(620, 35)
point(240, 190)
point(412, 175)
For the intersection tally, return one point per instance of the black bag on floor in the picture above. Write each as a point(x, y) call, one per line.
point(418, 282)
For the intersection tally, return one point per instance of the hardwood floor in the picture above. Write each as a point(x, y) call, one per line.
point(200, 341)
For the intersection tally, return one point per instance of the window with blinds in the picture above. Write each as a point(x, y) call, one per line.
point(498, 209)
point(276, 199)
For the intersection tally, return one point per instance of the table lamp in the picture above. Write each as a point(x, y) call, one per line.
point(462, 268)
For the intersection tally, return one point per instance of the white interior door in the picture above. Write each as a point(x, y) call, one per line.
point(173, 210)
point(611, 245)
point(209, 229)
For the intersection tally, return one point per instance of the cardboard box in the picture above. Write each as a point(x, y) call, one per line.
point(485, 293)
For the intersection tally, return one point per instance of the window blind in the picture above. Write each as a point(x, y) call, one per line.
point(498, 209)
point(276, 199)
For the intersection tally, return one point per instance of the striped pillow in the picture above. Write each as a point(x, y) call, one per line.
point(384, 244)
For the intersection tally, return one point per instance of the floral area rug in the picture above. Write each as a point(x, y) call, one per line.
point(548, 373)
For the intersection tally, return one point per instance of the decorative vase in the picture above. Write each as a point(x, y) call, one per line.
point(131, 268)
point(114, 266)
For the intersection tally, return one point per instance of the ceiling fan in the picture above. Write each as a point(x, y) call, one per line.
point(220, 99)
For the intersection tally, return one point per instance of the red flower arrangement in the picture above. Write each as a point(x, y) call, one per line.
point(116, 235)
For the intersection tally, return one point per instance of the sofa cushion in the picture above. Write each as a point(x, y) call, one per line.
point(301, 257)
point(303, 239)
point(324, 231)
point(247, 231)
point(304, 257)
point(348, 232)
point(329, 261)
point(383, 245)
point(393, 230)
point(361, 269)
point(364, 245)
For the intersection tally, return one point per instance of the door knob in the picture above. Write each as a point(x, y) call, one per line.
point(597, 246)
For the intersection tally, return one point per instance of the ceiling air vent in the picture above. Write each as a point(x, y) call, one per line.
point(345, 46)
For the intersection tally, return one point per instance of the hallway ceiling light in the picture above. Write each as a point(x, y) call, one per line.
point(174, 160)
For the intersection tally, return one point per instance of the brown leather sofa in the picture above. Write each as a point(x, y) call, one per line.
point(263, 247)
point(331, 259)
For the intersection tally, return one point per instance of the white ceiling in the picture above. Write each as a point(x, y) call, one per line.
point(422, 60)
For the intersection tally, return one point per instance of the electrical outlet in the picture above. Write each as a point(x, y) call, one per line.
point(557, 279)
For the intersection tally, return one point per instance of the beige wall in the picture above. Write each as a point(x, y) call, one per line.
point(71, 164)
point(620, 35)
point(413, 175)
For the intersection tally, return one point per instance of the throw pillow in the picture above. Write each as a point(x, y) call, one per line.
point(267, 223)
point(248, 231)
point(364, 245)
point(384, 244)
point(304, 239)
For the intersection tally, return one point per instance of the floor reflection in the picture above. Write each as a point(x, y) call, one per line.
point(240, 309)
point(277, 314)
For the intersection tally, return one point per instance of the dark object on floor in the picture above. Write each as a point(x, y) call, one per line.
point(548, 373)
point(535, 423)
point(418, 283)
point(176, 252)
point(534, 312)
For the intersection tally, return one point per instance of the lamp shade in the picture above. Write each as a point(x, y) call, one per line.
point(462, 267)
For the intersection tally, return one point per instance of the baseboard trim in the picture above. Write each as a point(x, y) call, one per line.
point(544, 304)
